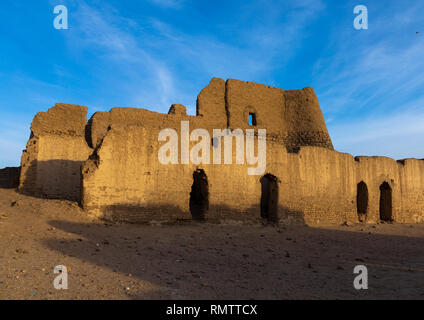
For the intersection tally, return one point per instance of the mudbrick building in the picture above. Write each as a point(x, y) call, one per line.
point(110, 164)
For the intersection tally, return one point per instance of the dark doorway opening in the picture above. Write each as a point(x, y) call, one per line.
point(199, 195)
point(386, 206)
point(269, 198)
point(362, 201)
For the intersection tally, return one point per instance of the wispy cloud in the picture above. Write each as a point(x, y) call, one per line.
point(122, 44)
point(371, 87)
point(371, 67)
point(252, 48)
point(398, 135)
point(175, 4)
point(161, 63)
point(378, 72)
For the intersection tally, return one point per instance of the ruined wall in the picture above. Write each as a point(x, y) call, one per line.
point(265, 102)
point(412, 187)
point(125, 164)
point(374, 171)
point(291, 118)
point(317, 186)
point(101, 121)
point(114, 157)
point(9, 178)
point(51, 163)
point(124, 178)
point(126, 182)
point(320, 184)
point(211, 104)
point(304, 121)
point(211, 113)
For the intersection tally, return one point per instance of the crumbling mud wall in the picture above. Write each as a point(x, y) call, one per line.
point(211, 104)
point(266, 103)
point(304, 121)
point(319, 183)
point(412, 190)
point(124, 117)
point(128, 155)
point(51, 163)
point(9, 178)
point(374, 172)
point(211, 113)
point(126, 182)
point(317, 186)
point(291, 118)
point(111, 165)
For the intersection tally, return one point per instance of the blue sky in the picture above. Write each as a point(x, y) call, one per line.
point(154, 53)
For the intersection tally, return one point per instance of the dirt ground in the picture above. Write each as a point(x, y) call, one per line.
point(199, 260)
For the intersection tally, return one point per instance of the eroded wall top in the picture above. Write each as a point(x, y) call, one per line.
point(63, 118)
point(293, 118)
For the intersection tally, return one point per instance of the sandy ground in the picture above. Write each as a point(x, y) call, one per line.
point(199, 260)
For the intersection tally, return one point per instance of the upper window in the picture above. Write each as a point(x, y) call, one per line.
point(252, 119)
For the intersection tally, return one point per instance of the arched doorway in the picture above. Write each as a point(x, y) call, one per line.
point(269, 198)
point(362, 201)
point(386, 205)
point(199, 195)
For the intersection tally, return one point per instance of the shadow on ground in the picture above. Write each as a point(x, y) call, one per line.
point(206, 261)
